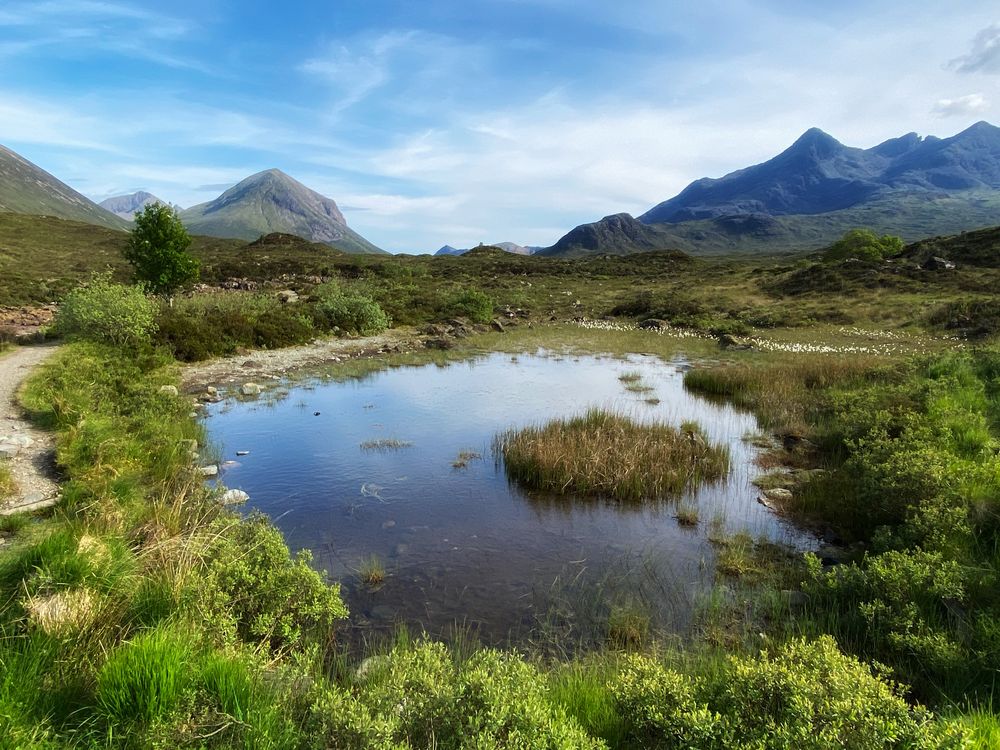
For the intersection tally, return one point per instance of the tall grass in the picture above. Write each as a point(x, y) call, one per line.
point(7, 484)
point(602, 453)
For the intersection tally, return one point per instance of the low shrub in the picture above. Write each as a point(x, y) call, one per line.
point(349, 311)
point(473, 304)
point(805, 695)
point(863, 244)
point(107, 312)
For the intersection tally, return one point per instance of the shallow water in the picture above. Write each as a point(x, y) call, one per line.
point(462, 545)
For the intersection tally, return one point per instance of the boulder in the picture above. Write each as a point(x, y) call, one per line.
point(438, 344)
point(287, 296)
point(654, 324)
point(234, 497)
point(778, 495)
point(496, 325)
point(936, 263)
point(167, 390)
point(209, 471)
point(250, 389)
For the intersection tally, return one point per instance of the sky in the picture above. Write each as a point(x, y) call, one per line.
point(466, 121)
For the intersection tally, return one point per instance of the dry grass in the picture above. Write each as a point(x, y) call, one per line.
point(781, 394)
point(602, 453)
point(62, 613)
point(687, 515)
point(464, 458)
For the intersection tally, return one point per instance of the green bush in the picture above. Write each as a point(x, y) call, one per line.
point(805, 696)
point(863, 244)
point(254, 585)
point(473, 304)
point(418, 697)
point(349, 311)
point(107, 312)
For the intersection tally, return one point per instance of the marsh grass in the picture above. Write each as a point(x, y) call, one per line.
point(608, 454)
point(385, 444)
point(687, 514)
point(464, 458)
point(632, 376)
point(628, 626)
point(372, 572)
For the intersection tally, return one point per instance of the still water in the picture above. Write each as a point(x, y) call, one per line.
point(463, 546)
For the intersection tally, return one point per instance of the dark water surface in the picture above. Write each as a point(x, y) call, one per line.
point(462, 545)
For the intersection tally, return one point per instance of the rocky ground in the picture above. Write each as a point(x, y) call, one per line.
point(28, 450)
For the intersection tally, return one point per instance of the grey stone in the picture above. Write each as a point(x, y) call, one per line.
point(496, 325)
point(9, 450)
point(778, 495)
point(209, 471)
point(168, 390)
point(234, 497)
point(250, 389)
point(287, 296)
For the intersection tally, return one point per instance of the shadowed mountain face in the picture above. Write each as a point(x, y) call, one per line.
point(28, 189)
point(127, 206)
point(818, 174)
point(269, 202)
point(619, 234)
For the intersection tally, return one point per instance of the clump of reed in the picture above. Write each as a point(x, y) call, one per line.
point(385, 444)
point(608, 454)
point(372, 572)
point(464, 458)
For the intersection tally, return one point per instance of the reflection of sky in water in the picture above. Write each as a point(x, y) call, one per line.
point(462, 544)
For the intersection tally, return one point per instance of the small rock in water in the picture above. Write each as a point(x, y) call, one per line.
point(168, 390)
point(250, 389)
point(388, 524)
point(209, 471)
point(778, 495)
point(382, 612)
point(400, 549)
point(234, 497)
point(242, 453)
point(316, 413)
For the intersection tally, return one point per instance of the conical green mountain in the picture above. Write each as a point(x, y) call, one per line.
point(269, 202)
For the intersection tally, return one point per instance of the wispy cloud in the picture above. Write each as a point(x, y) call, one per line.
point(971, 104)
point(984, 57)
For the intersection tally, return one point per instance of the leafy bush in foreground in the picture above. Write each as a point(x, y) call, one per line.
point(349, 311)
point(806, 696)
point(107, 312)
point(472, 304)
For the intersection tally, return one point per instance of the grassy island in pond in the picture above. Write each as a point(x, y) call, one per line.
point(603, 453)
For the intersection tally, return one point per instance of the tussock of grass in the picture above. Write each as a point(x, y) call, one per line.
point(687, 515)
point(385, 444)
point(372, 571)
point(464, 458)
point(602, 453)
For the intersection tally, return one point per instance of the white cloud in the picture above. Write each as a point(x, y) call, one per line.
point(984, 57)
point(971, 104)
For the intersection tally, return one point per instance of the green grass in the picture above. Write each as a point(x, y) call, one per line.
point(385, 444)
point(372, 571)
point(606, 454)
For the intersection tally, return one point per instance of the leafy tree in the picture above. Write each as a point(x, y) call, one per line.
point(157, 249)
point(864, 244)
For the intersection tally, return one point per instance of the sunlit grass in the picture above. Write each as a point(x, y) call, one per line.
point(602, 453)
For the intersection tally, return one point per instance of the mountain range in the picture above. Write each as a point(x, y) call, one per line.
point(508, 247)
point(812, 192)
point(264, 203)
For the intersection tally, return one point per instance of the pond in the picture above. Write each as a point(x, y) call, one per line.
point(354, 468)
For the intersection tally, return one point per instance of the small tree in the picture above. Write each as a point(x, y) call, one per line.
point(864, 244)
point(157, 249)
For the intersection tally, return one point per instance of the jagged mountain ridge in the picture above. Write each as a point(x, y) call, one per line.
point(26, 188)
point(818, 174)
point(269, 202)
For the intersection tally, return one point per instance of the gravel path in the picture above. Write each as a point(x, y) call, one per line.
point(30, 451)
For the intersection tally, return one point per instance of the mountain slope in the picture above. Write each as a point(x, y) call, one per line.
point(29, 189)
point(269, 202)
point(618, 234)
point(818, 174)
point(507, 247)
point(127, 206)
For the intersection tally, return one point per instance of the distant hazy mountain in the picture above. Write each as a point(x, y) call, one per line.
point(509, 247)
point(269, 202)
point(127, 206)
point(29, 189)
point(818, 174)
point(815, 190)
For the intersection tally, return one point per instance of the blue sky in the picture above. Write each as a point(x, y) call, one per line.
point(454, 122)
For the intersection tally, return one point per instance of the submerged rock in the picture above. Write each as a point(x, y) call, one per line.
point(250, 389)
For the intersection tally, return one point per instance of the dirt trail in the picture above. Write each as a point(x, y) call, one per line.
point(29, 450)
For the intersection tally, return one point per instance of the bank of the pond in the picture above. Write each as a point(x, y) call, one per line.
point(140, 613)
